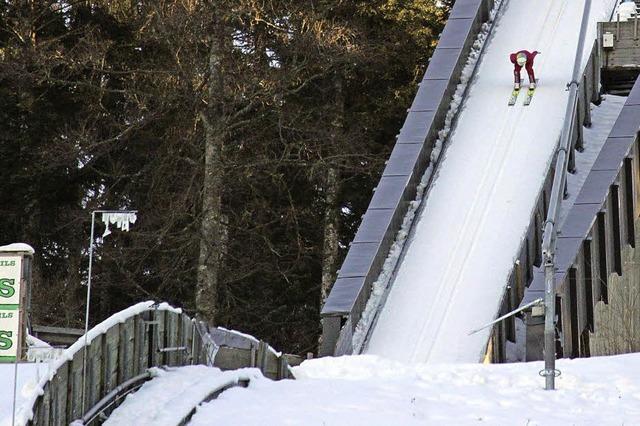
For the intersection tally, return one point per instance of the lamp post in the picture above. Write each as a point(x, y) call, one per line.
point(122, 219)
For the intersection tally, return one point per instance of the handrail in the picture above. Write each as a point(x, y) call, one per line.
point(142, 336)
point(236, 382)
point(112, 397)
point(555, 200)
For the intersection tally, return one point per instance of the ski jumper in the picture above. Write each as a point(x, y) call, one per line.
point(528, 65)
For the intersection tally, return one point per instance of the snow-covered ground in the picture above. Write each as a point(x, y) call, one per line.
point(464, 242)
point(368, 390)
point(29, 374)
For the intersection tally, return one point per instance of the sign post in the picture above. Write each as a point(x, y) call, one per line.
point(15, 280)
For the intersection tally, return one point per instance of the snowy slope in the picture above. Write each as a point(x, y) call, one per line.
point(368, 390)
point(467, 235)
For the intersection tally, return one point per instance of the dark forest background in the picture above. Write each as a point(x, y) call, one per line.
point(248, 134)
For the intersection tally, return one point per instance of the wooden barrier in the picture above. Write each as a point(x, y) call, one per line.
point(156, 335)
point(617, 323)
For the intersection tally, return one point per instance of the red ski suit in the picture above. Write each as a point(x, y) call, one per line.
point(528, 65)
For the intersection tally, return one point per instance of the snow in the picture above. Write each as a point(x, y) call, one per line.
point(39, 350)
point(29, 375)
point(18, 247)
point(626, 10)
point(462, 247)
point(369, 390)
point(380, 286)
point(24, 413)
point(172, 394)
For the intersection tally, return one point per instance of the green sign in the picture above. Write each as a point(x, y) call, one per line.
point(10, 278)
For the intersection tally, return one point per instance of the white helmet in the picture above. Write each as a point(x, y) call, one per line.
point(521, 59)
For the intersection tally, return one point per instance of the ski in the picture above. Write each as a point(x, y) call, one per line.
point(514, 97)
point(527, 99)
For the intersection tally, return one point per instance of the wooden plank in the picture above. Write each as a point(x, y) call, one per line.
point(141, 342)
point(198, 356)
point(75, 379)
point(187, 339)
point(95, 380)
point(173, 338)
point(42, 413)
point(57, 336)
point(233, 358)
point(111, 355)
point(127, 350)
point(271, 368)
point(60, 388)
point(158, 336)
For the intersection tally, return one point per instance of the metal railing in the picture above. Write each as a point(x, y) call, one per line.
point(557, 194)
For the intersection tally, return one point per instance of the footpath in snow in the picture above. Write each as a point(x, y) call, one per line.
point(462, 247)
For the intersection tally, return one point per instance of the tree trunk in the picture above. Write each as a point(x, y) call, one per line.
point(331, 191)
point(210, 258)
point(330, 247)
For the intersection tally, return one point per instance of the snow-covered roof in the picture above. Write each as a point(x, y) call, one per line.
point(15, 247)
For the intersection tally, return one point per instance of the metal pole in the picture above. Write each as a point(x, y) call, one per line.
point(549, 326)
point(86, 315)
point(15, 391)
point(557, 194)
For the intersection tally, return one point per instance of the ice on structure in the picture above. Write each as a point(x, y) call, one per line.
point(122, 220)
point(40, 351)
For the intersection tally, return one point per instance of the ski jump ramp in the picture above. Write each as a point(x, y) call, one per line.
point(454, 267)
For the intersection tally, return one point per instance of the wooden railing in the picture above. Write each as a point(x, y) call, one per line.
point(127, 345)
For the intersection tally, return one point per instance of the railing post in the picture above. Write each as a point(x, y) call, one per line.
point(563, 162)
point(549, 323)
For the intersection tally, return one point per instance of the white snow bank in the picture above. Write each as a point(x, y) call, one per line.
point(18, 247)
point(626, 10)
point(174, 392)
point(369, 390)
point(28, 376)
point(25, 411)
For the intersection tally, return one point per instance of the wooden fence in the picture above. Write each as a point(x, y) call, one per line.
point(156, 336)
